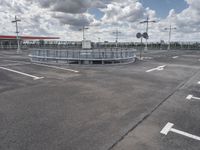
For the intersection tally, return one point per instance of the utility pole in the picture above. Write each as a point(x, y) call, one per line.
point(98, 44)
point(117, 36)
point(147, 28)
point(170, 33)
point(17, 32)
point(83, 29)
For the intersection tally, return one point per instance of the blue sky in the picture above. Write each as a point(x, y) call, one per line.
point(98, 14)
point(162, 7)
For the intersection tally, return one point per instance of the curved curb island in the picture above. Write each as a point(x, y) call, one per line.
point(82, 56)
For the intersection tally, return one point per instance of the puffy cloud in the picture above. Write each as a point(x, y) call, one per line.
point(187, 21)
point(64, 17)
point(75, 20)
point(71, 6)
point(128, 11)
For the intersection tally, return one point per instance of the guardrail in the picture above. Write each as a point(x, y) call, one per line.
point(47, 55)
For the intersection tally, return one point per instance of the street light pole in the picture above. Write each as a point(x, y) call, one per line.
point(17, 32)
point(170, 32)
point(147, 28)
point(117, 36)
point(83, 29)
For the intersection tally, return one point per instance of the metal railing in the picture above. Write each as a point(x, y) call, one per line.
point(95, 54)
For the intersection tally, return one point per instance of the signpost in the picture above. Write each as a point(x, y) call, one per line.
point(147, 21)
point(141, 36)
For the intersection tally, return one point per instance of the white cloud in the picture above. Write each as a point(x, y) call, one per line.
point(64, 17)
point(187, 21)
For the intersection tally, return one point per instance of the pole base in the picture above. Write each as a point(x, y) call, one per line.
point(145, 49)
point(19, 51)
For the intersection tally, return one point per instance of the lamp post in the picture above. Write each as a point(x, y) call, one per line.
point(170, 32)
point(147, 28)
point(83, 29)
point(17, 32)
point(117, 36)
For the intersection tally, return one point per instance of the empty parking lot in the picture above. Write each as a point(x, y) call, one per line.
point(111, 107)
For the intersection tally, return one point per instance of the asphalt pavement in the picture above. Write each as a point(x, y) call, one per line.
point(110, 107)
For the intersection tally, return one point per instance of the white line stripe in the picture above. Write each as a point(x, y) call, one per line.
point(198, 82)
point(55, 67)
point(14, 64)
point(168, 128)
point(189, 97)
point(159, 68)
point(147, 58)
point(175, 57)
point(152, 70)
point(185, 134)
point(197, 98)
point(12, 61)
point(25, 74)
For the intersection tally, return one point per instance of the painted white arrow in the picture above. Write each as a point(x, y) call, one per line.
point(159, 68)
point(168, 128)
point(189, 97)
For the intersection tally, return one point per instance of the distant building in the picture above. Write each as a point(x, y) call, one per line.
point(10, 42)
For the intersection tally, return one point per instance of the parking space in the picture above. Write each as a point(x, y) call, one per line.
point(107, 107)
point(17, 71)
point(182, 111)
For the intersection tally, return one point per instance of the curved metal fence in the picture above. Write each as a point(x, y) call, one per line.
point(82, 55)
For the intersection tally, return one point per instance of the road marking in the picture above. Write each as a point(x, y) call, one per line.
point(13, 61)
point(189, 97)
point(198, 82)
point(168, 128)
point(147, 57)
point(55, 67)
point(159, 68)
point(22, 73)
point(175, 57)
point(14, 64)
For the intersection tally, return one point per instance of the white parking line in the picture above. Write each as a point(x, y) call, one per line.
point(168, 128)
point(55, 67)
point(189, 97)
point(147, 58)
point(22, 73)
point(14, 64)
point(175, 57)
point(159, 68)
